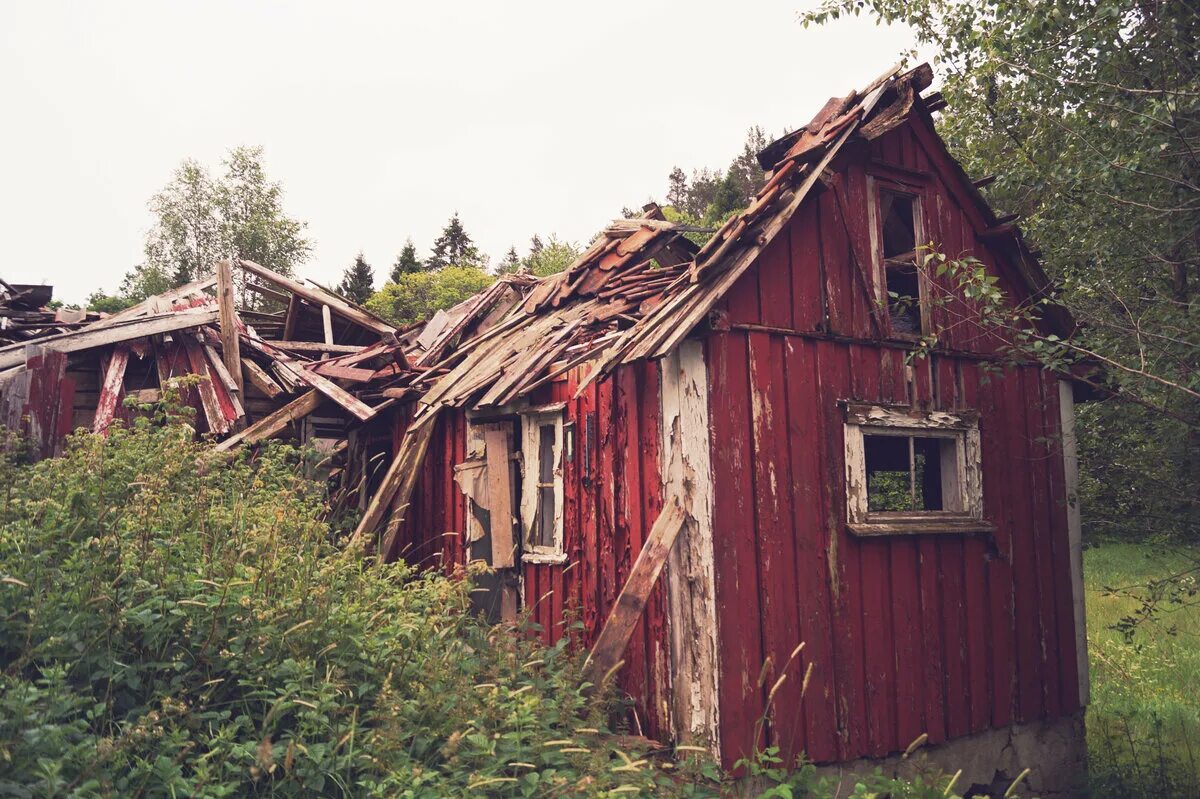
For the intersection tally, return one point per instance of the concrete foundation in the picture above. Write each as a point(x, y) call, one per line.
point(1054, 751)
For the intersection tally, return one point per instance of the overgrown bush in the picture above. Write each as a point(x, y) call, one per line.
point(175, 622)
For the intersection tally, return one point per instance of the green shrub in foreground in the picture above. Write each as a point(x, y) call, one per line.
point(175, 623)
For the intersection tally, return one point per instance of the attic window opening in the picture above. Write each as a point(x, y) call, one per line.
point(900, 230)
point(910, 471)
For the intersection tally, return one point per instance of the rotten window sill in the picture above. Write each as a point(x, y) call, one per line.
point(918, 524)
point(545, 558)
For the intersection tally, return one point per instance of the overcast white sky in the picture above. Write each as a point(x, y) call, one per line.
point(381, 119)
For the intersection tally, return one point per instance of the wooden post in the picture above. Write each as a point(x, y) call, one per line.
point(327, 321)
point(230, 352)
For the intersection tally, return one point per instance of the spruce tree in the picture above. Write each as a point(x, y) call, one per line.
point(358, 281)
point(510, 262)
point(454, 247)
point(407, 262)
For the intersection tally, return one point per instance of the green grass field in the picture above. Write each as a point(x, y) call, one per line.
point(1144, 719)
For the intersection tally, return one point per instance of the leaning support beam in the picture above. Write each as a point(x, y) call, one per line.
point(270, 425)
point(618, 628)
point(414, 450)
point(318, 297)
point(404, 464)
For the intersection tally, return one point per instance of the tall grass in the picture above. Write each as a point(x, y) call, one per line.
point(1144, 719)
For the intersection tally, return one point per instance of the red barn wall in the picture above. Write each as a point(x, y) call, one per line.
point(612, 494)
point(938, 634)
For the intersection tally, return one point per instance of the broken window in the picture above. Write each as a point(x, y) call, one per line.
point(899, 235)
point(542, 486)
point(912, 471)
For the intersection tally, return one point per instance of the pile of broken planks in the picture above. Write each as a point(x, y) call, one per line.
point(285, 350)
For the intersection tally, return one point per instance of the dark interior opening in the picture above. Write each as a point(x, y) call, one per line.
point(898, 212)
point(904, 473)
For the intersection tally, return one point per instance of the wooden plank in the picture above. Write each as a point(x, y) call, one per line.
point(336, 393)
point(317, 346)
point(950, 554)
point(498, 448)
point(810, 535)
point(259, 378)
point(89, 338)
point(876, 592)
point(327, 324)
point(231, 353)
point(1000, 508)
point(735, 561)
point(270, 425)
point(1025, 606)
point(776, 547)
point(291, 316)
point(111, 390)
point(218, 423)
point(614, 636)
point(270, 294)
point(336, 304)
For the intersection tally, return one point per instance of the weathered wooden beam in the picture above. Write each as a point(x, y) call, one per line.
point(327, 324)
point(259, 378)
point(218, 423)
point(290, 317)
point(90, 338)
point(320, 297)
point(270, 425)
point(270, 294)
point(413, 451)
point(110, 391)
point(396, 474)
point(316, 346)
point(614, 636)
point(335, 392)
point(231, 353)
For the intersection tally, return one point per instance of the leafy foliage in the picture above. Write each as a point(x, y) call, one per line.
point(358, 281)
point(223, 646)
point(419, 295)
point(199, 219)
point(1143, 721)
point(1089, 114)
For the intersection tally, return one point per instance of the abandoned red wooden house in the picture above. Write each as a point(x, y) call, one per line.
point(905, 519)
point(723, 461)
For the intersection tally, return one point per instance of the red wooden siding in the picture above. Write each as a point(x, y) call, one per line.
point(945, 635)
point(612, 495)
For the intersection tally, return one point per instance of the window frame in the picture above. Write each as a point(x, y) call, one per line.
point(965, 480)
point(532, 421)
point(914, 188)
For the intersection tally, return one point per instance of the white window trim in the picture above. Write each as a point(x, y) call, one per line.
point(531, 422)
point(964, 482)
